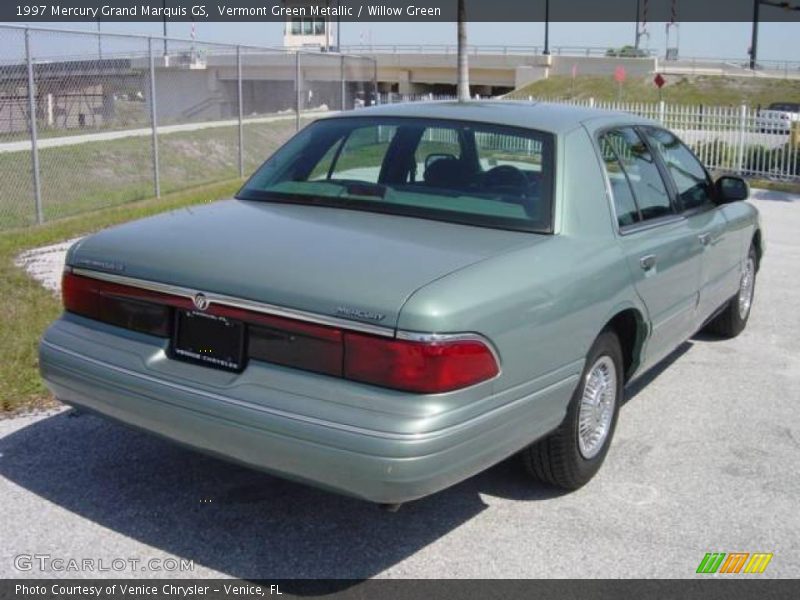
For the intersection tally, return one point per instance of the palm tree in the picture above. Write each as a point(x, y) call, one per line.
point(463, 66)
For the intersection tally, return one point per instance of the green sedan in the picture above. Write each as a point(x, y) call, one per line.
point(403, 296)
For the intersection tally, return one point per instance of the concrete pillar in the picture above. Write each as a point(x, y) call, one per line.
point(49, 110)
point(109, 106)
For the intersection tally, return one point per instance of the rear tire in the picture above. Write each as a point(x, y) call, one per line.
point(570, 456)
point(733, 319)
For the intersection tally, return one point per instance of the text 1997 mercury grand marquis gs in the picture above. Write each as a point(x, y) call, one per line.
point(405, 295)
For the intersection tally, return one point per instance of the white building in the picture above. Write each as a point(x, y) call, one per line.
point(310, 32)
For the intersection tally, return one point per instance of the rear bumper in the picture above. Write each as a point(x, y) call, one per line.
point(337, 435)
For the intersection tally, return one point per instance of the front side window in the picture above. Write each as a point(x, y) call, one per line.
point(471, 173)
point(691, 180)
point(641, 173)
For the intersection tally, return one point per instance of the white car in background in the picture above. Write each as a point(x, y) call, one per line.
point(778, 117)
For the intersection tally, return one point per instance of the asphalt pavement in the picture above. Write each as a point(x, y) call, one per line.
point(706, 458)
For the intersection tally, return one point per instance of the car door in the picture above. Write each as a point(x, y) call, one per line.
point(694, 193)
point(662, 251)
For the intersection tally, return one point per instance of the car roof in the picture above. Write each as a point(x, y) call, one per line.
point(543, 116)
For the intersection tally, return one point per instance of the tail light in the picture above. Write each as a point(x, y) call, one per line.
point(424, 366)
point(115, 304)
point(418, 366)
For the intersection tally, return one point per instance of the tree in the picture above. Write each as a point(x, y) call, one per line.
point(463, 65)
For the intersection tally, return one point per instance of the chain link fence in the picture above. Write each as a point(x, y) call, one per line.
point(90, 120)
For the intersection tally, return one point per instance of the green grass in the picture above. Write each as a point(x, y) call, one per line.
point(776, 186)
point(28, 308)
point(43, 132)
point(85, 177)
point(128, 115)
point(680, 89)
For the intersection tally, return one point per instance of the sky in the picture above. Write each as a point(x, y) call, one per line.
point(777, 41)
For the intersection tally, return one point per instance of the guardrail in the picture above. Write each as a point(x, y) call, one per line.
point(773, 68)
point(781, 69)
point(479, 49)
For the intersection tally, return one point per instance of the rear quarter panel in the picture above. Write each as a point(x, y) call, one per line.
point(541, 305)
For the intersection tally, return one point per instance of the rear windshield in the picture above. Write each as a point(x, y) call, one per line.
point(462, 172)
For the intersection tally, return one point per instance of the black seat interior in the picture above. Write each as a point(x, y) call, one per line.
point(445, 173)
point(506, 178)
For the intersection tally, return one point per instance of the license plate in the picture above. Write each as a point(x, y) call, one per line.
point(209, 340)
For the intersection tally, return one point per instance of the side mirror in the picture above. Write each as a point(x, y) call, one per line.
point(730, 188)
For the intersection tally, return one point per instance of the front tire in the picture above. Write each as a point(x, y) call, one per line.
point(570, 456)
point(733, 319)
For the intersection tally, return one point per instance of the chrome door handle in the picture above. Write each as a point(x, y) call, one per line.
point(705, 238)
point(648, 262)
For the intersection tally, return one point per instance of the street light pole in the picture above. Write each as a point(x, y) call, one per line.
point(462, 88)
point(754, 41)
point(546, 27)
point(638, 34)
point(164, 19)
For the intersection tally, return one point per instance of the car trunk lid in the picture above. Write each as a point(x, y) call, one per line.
point(350, 264)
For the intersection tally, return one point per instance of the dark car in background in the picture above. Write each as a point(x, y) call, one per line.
point(778, 117)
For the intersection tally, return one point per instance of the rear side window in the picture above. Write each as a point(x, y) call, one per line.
point(641, 174)
point(624, 203)
point(690, 178)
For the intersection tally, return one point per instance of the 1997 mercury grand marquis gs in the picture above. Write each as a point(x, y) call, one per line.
point(405, 295)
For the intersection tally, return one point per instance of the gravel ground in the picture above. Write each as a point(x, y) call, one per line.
point(45, 264)
point(705, 459)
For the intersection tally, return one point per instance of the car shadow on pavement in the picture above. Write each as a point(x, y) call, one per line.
point(702, 336)
point(228, 518)
point(775, 195)
point(634, 388)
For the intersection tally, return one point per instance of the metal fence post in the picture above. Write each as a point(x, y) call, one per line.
point(37, 184)
point(153, 118)
point(375, 80)
point(740, 144)
point(297, 90)
point(343, 104)
point(241, 109)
